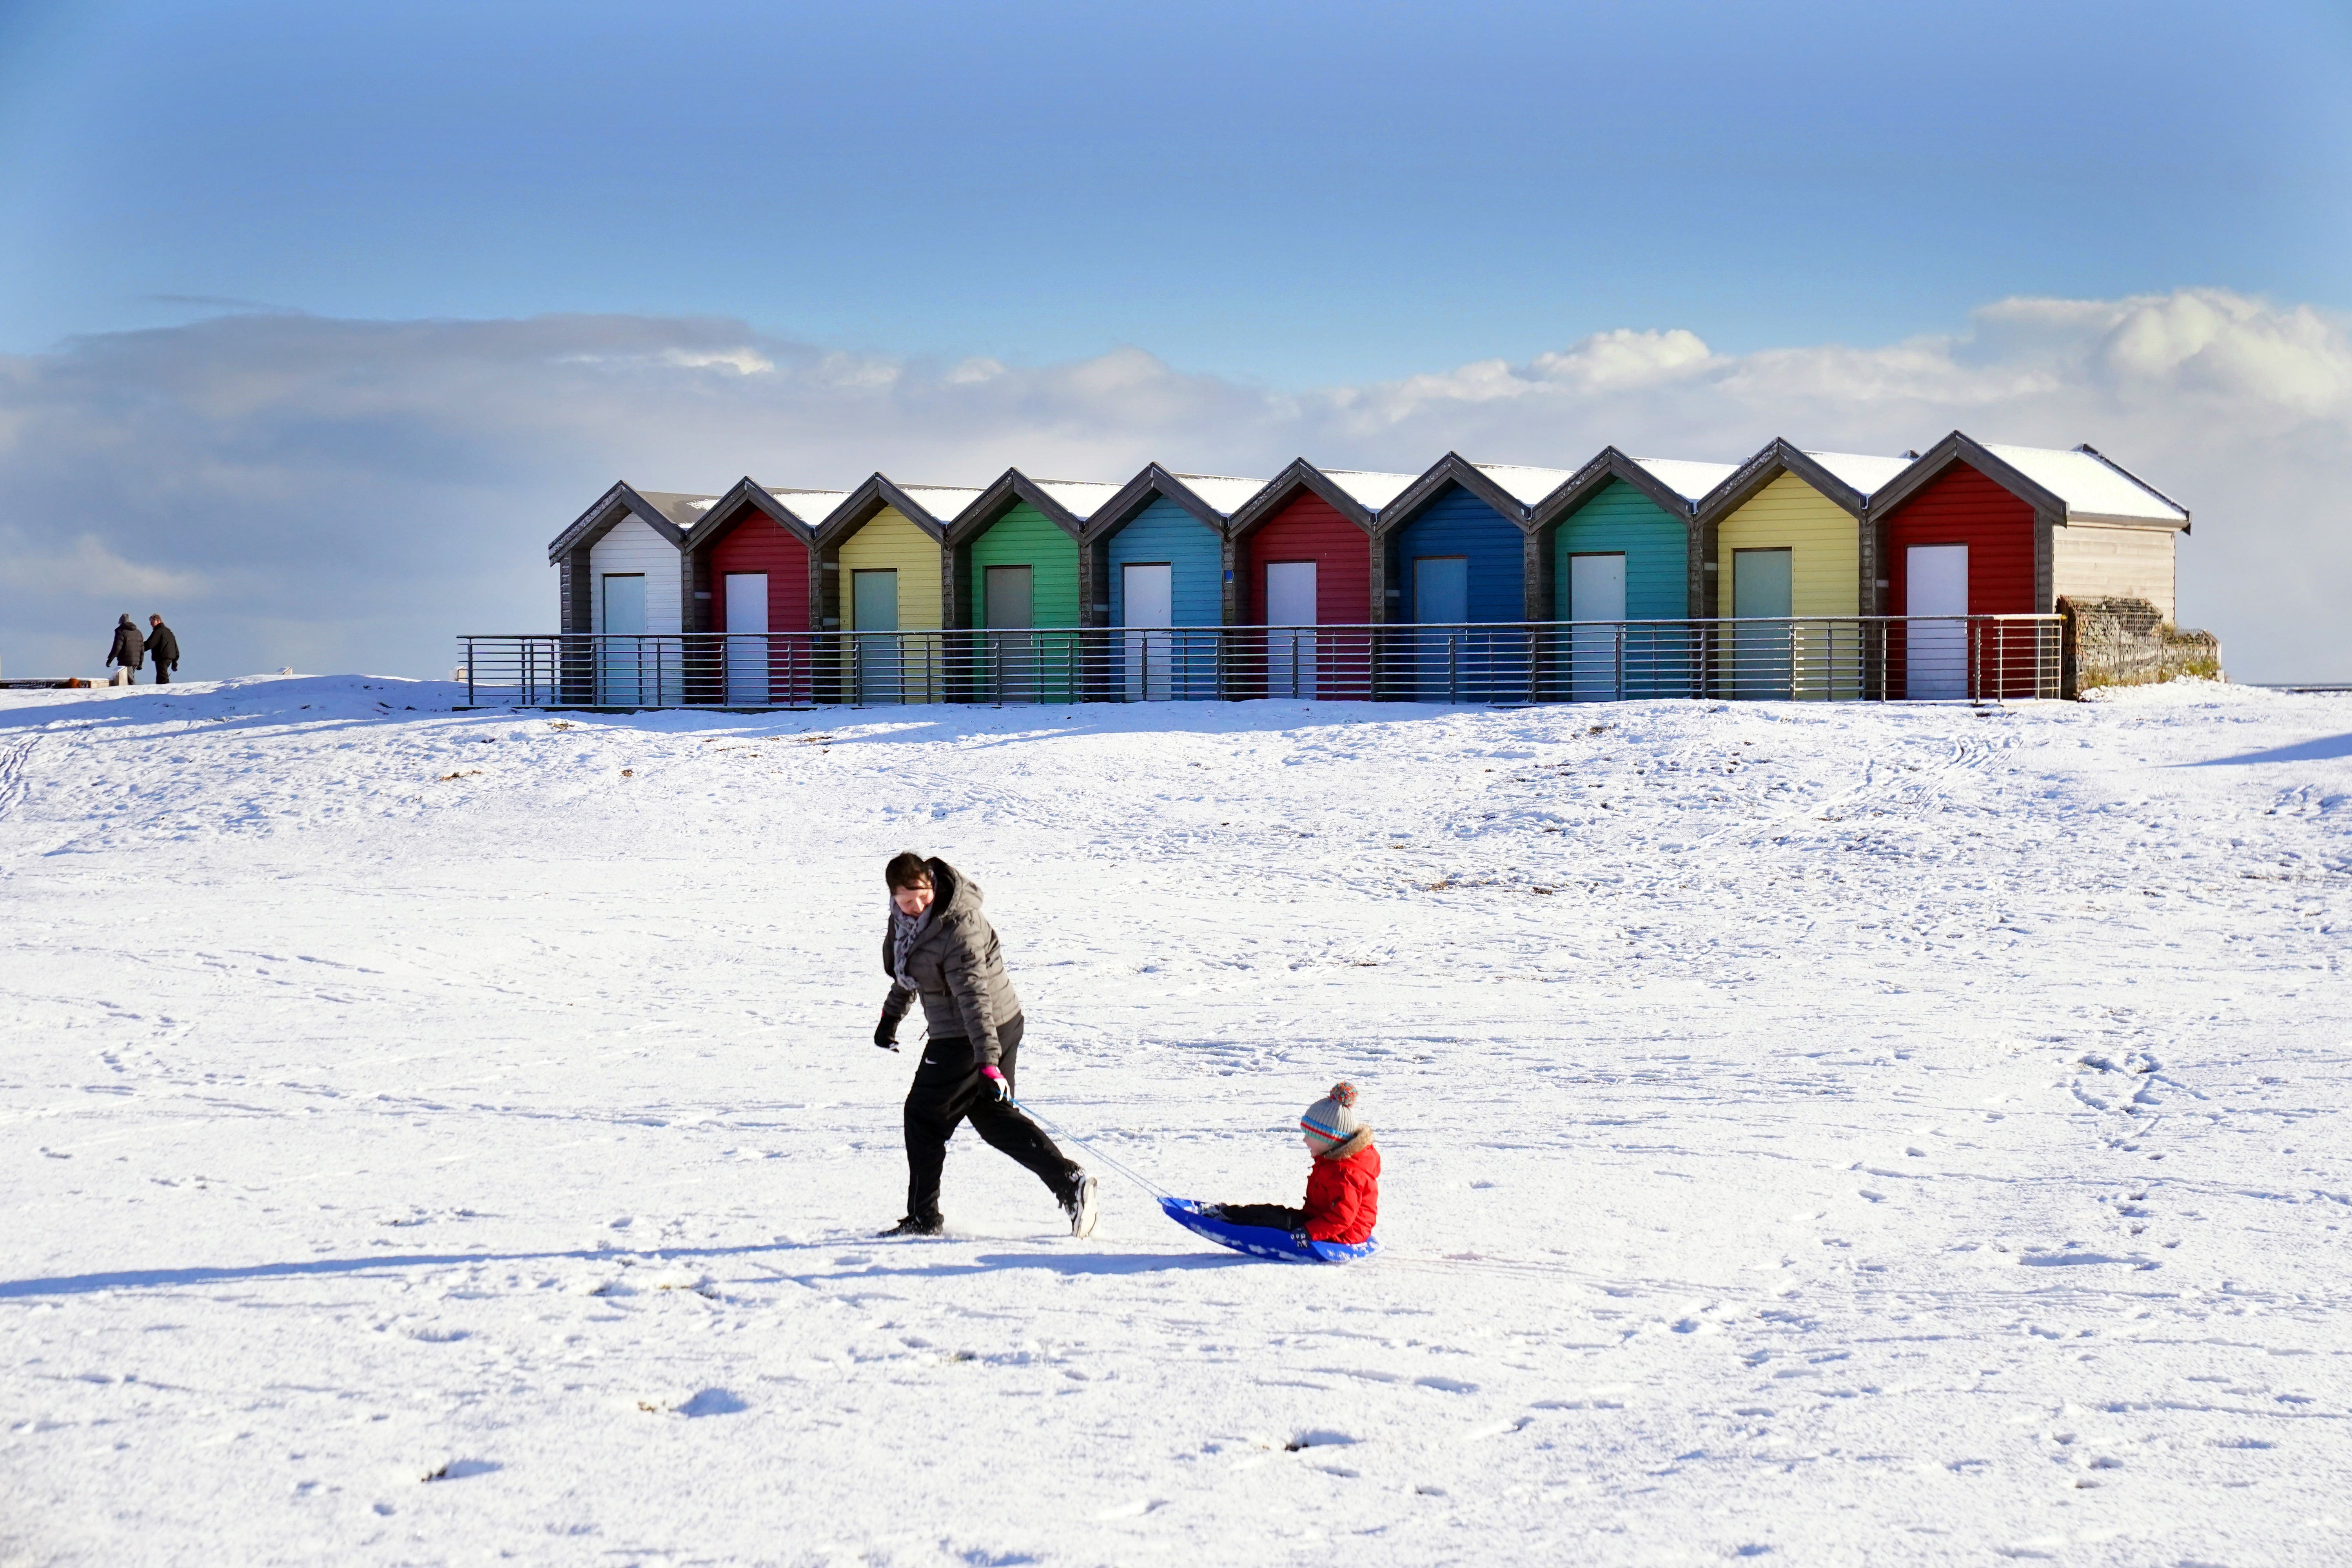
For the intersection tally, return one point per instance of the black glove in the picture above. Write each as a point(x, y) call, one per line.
point(886, 1033)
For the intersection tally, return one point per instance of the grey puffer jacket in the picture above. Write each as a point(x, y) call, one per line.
point(957, 968)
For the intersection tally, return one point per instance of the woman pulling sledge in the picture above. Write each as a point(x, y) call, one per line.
point(940, 947)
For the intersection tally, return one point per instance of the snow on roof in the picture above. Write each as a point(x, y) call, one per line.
point(1525, 485)
point(812, 507)
point(1863, 472)
point(1224, 493)
point(1370, 491)
point(1080, 498)
point(1689, 480)
point(2089, 484)
point(683, 508)
point(943, 501)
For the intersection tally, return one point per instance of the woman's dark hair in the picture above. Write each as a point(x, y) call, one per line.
point(906, 869)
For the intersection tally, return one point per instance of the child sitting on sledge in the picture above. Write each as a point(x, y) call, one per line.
point(1343, 1188)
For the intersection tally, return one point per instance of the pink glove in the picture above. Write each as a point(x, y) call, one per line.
point(1002, 1089)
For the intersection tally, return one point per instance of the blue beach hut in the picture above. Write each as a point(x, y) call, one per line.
point(1156, 554)
point(1454, 550)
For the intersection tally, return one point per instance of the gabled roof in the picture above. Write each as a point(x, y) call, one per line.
point(720, 514)
point(667, 513)
point(860, 505)
point(1210, 497)
point(1845, 477)
point(1355, 494)
point(1611, 466)
point(2083, 485)
point(2094, 487)
point(1009, 489)
point(1452, 472)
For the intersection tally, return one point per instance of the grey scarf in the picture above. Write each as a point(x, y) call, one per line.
point(904, 929)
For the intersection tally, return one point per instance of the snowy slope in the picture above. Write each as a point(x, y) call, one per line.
point(1833, 1135)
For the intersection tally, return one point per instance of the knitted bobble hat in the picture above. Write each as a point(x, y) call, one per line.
point(1332, 1120)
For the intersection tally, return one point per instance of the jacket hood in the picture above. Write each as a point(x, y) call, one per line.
point(956, 891)
point(1356, 1143)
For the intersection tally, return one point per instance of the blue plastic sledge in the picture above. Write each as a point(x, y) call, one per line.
point(1262, 1240)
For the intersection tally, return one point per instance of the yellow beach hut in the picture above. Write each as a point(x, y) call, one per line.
point(1785, 537)
point(882, 571)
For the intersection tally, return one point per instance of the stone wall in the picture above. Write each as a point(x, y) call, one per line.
point(2127, 642)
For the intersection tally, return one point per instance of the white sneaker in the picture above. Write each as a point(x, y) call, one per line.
point(1080, 1206)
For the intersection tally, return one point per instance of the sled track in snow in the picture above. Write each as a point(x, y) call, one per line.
point(12, 787)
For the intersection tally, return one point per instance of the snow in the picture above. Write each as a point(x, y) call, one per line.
point(1370, 491)
point(812, 507)
point(1864, 471)
point(1689, 480)
point(1827, 1134)
point(1080, 497)
point(1525, 485)
point(1224, 494)
point(944, 503)
point(2089, 486)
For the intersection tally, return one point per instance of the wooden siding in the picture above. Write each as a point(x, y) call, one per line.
point(632, 546)
point(2087, 562)
point(1824, 542)
point(1654, 543)
point(1459, 523)
point(889, 541)
point(758, 544)
point(1309, 528)
point(1195, 556)
point(1961, 506)
point(1024, 536)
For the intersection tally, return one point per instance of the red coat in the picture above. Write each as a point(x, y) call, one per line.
point(1343, 1197)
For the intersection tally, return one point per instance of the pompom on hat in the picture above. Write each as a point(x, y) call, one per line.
point(1331, 1121)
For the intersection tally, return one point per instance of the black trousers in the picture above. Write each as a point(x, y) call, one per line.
point(1274, 1216)
point(947, 1090)
point(162, 676)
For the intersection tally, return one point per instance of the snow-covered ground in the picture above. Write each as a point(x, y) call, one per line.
point(1831, 1135)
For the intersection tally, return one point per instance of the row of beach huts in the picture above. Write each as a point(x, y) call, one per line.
point(1963, 529)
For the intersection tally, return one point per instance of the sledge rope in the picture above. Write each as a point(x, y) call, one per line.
point(1146, 1182)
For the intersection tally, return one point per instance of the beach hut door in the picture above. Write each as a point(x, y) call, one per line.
point(874, 607)
point(1763, 657)
point(1148, 600)
point(625, 669)
point(1596, 593)
point(1936, 582)
point(745, 648)
point(1010, 610)
point(1290, 655)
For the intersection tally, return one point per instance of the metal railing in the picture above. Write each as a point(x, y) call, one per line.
point(1822, 658)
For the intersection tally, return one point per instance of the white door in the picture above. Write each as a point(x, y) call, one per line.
point(746, 645)
point(626, 668)
point(1290, 655)
point(1936, 582)
point(1147, 595)
point(1596, 593)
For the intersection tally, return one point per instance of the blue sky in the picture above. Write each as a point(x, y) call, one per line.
point(1292, 194)
point(318, 322)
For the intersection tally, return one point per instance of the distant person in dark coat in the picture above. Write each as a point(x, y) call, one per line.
point(127, 654)
point(166, 648)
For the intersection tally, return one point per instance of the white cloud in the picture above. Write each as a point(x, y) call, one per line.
point(365, 490)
